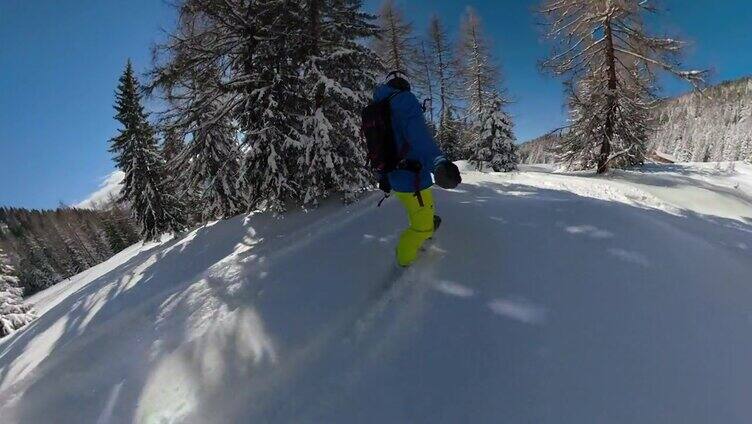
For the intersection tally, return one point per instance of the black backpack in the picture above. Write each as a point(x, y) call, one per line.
point(377, 130)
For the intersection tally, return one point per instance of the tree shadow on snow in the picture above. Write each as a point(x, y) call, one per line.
point(132, 295)
point(162, 314)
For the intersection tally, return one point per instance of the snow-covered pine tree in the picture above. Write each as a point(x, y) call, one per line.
point(114, 235)
point(485, 99)
point(120, 228)
point(71, 262)
point(136, 153)
point(209, 169)
point(253, 45)
point(445, 64)
point(208, 164)
point(339, 73)
point(172, 144)
point(395, 43)
point(270, 114)
point(449, 135)
point(13, 313)
point(605, 50)
point(91, 235)
point(683, 153)
point(495, 147)
point(35, 268)
point(81, 249)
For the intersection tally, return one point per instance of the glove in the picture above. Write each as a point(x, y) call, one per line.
point(385, 185)
point(447, 175)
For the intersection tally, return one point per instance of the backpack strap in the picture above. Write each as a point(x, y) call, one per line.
point(406, 145)
point(412, 167)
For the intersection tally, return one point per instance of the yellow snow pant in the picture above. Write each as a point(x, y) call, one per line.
point(421, 225)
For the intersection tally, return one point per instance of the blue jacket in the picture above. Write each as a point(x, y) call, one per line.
point(410, 127)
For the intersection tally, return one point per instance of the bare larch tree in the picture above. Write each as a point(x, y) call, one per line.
point(424, 80)
point(610, 60)
point(442, 50)
point(394, 45)
point(490, 138)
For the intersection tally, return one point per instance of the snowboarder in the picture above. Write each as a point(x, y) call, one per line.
point(418, 158)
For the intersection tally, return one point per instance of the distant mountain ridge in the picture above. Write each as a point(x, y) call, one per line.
point(713, 126)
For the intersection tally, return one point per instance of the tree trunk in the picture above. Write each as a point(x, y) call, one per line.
point(314, 26)
point(314, 46)
point(608, 135)
point(442, 73)
point(394, 44)
point(478, 77)
point(429, 80)
point(247, 121)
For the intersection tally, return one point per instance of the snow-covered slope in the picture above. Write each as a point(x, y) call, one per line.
point(545, 298)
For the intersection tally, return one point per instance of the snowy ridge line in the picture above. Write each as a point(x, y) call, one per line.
point(734, 191)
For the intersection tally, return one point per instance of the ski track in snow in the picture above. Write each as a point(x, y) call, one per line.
point(518, 309)
point(546, 297)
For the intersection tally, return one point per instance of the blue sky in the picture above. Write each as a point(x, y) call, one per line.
point(60, 61)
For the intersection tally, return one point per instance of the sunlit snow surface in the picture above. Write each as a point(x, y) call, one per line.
point(545, 297)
